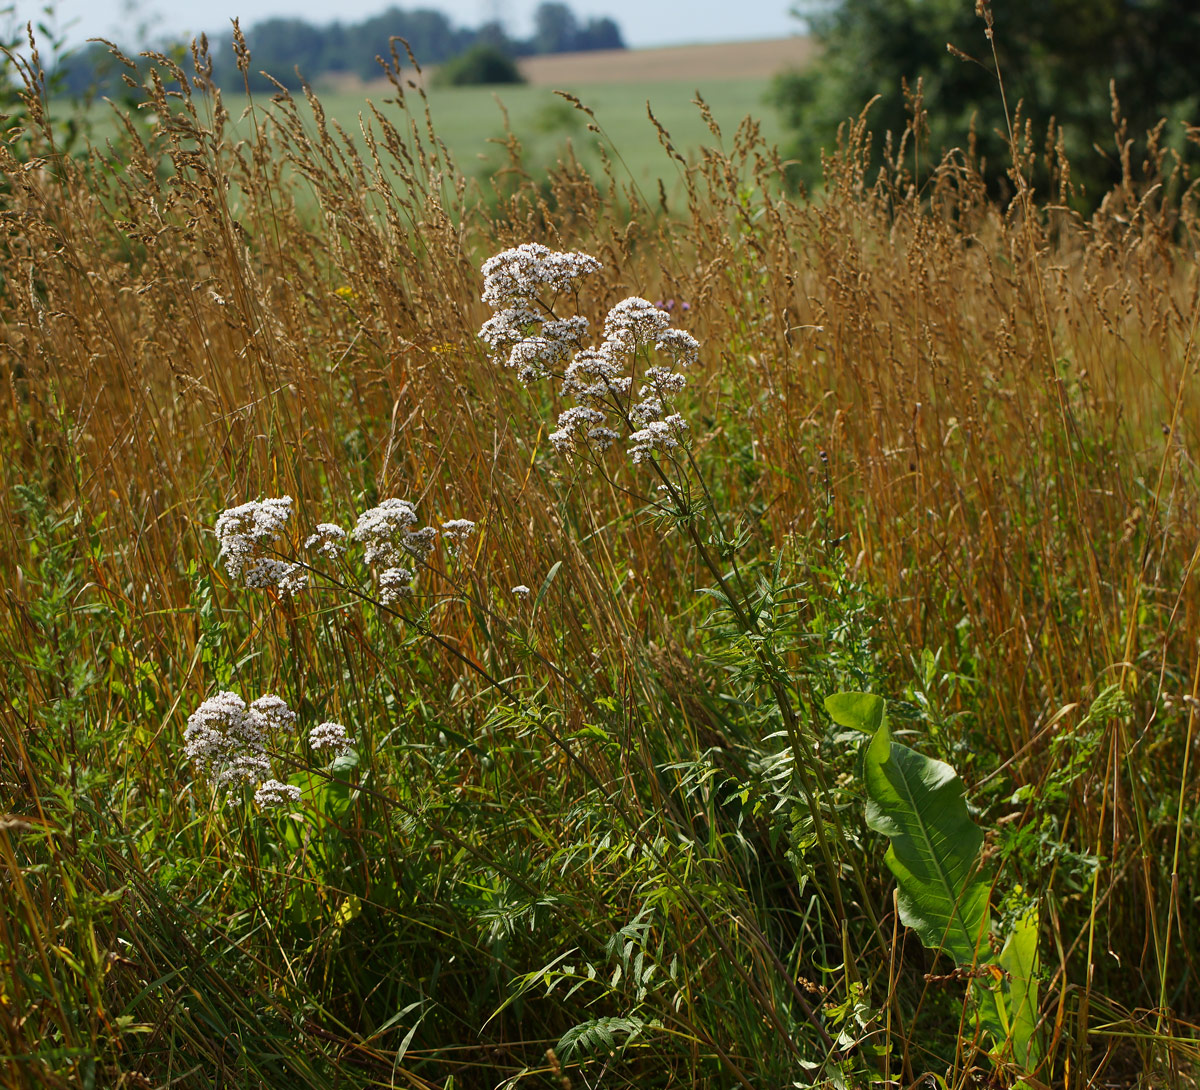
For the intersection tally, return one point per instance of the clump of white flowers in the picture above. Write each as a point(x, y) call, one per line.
point(274, 793)
point(330, 736)
point(329, 540)
point(456, 532)
point(227, 741)
point(247, 533)
point(523, 285)
point(389, 540)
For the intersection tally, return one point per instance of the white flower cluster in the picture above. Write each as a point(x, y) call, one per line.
point(227, 741)
point(513, 284)
point(389, 541)
point(330, 736)
point(526, 334)
point(274, 793)
point(329, 540)
point(456, 532)
point(522, 274)
point(656, 435)
point(246, 533)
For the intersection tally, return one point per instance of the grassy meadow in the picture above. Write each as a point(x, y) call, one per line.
point(471, 121)
point(823, 715)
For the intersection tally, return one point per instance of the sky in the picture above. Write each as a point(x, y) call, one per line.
point(643, 22)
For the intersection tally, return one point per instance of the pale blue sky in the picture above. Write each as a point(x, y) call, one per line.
point(644, 22)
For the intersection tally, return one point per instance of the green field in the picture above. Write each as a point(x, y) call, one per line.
point(471, 122)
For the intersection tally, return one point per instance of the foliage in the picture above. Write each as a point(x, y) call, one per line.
point(1055, 59)
point(481, 65)
point(942, 892)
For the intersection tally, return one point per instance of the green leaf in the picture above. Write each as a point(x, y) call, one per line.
point(918, 803)
point(858, 711)
point(545, 587)
point(1019, 960)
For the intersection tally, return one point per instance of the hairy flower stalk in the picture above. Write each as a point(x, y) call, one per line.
point(523, 285)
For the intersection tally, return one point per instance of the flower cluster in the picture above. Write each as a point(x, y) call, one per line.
point(521, 275)
point(526, 333)
point(227, 741)
point(330, 736)
point(329, 540)
point(390, 541)
point(246, 533)
point(274, 793)
point(456, 532)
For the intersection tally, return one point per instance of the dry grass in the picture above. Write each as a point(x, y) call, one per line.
point(956, 429)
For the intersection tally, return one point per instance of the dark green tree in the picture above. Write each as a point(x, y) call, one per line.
point(482, 64)
point(1056, 59)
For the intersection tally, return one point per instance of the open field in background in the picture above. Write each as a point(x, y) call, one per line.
point(695, 64)
point(471, 123)
point(469, 118)
point(733, 79)
point(605, 829)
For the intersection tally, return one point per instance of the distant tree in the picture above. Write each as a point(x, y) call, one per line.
point(555, 29)
point(1056, 58)
point(600, 33)
point(482, 64)
point(281, 46)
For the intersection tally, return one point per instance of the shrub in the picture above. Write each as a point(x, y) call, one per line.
point(480, 65)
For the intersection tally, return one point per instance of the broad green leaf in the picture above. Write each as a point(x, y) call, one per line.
point(918, 803)
point(858, 711)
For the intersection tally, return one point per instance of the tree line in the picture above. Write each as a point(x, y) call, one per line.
point(281, 46)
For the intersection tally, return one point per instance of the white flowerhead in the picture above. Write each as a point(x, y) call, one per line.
point(657, 435)
point(387, 536)
point(518, 276)
point(274, 793)
point(265, 572)
point(329, 540)
point(521, 590)
point(330, 736)
point(224, 743)
point(456, 532)
point(635, 322)
point(574, 424)
point(247, 531)
point(227, 742)
point(681, 345)
point(395, 584)
point(271, 712)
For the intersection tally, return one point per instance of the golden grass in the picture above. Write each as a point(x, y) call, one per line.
point(983, 425)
